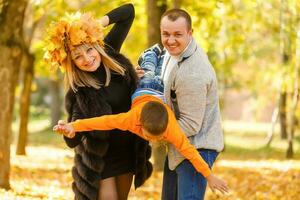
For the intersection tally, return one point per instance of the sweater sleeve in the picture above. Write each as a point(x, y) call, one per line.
point(122, 18)
point(122, 121)
point(176, 137)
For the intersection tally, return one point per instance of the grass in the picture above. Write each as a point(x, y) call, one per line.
point(40, 134)
point(248, 141)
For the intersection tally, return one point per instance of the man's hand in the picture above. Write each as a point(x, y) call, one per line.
point(140, 73)
point(217, 184)
point(65, 129)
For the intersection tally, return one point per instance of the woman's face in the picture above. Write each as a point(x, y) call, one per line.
point(86, 58)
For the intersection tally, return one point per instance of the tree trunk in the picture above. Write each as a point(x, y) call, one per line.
point(282, 115)
point(11, 46)
point(285, 58)
point(290, 151)
point(290, 136)
point(55, 106)
point(295, 101)
point(177, 3)
point(25, 103)
point(155, 9)
point(272, 129)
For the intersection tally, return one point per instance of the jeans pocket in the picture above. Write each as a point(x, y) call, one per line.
point(209, 156)
point(212, 155)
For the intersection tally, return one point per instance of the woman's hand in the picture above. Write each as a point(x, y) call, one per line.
point(104, 21)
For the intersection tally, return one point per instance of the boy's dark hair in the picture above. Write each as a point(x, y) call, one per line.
point(154, 117)
point(175, 13)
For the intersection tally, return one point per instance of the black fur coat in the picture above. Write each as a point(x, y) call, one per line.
point(90, 147)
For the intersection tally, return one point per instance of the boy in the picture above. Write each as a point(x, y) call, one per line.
point(150, 119)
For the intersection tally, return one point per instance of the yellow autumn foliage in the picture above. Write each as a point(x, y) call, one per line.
point(46, 174)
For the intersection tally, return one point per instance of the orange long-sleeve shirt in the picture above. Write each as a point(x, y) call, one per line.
point(130, 121)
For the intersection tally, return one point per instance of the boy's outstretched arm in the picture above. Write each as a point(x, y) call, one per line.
point(177, 137)
point(120, 121)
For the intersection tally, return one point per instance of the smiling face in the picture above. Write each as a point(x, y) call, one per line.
point(175, 35)
point(86, 58)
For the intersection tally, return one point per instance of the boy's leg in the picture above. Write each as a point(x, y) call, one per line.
point(149, 59)
point(160, 63)
point(154, 83)
point(148, 62)
point(169, 188)
point(191, 184)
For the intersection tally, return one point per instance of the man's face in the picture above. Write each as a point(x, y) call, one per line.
point(175, 35)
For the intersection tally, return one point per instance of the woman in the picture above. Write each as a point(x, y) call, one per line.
point(100, 81)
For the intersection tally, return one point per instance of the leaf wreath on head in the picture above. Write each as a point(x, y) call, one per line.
point(72, 30)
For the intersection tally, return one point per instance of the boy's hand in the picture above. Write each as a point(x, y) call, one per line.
point(217, 184)
point(65, 129)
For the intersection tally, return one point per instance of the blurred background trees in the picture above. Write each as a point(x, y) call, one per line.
point(12, 51)
point(254, 46)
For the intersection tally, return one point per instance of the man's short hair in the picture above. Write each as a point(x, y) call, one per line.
point(175, 13)
point(154, 117)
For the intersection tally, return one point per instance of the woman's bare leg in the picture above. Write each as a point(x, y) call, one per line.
point(123, 183)
point(108, 189)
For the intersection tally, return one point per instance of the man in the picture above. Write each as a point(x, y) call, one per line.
point(190, 89)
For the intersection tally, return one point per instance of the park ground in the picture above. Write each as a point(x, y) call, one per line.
point(252, 171)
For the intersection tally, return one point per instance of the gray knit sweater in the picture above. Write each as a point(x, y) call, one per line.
point(197, 103)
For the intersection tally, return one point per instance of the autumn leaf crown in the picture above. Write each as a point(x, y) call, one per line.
point(72, 30)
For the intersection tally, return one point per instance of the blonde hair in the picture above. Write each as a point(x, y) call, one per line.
point(75, 77)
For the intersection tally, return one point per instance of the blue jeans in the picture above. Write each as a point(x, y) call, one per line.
point(185, 183)
point(147, 91)
point(151, 62)
point(154, 83)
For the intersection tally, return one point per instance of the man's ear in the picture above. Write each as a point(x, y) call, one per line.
point(190, 32)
